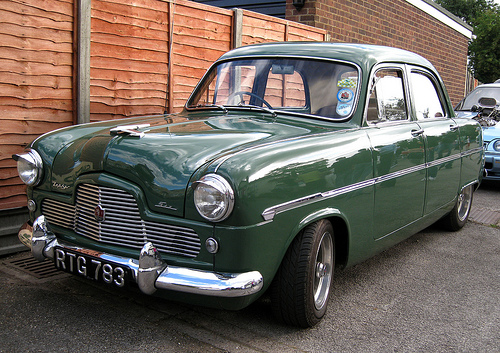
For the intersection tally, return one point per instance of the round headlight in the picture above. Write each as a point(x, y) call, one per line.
point(496, 145)
point(213, 197)
point(29, 167)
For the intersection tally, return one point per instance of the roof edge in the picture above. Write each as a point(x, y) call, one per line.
point(443, 15)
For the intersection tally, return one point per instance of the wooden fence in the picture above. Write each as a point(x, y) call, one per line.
point(36, 81)
point(146, 56)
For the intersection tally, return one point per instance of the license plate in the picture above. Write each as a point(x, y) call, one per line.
point(91, 267)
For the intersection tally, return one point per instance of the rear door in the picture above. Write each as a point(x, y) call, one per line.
point(442, 139)
point(398, 153)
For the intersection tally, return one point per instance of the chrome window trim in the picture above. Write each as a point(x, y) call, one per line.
point(269, 213)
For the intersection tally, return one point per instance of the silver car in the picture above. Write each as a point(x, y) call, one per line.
point(482, 104)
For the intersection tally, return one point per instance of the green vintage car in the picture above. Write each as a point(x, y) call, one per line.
point(288, 161)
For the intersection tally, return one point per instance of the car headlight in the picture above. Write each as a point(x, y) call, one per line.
point(213, 197)
point(29, 167)
point(496, 145)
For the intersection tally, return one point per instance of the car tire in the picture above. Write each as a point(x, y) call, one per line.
point(459, 215)
point(301, 288)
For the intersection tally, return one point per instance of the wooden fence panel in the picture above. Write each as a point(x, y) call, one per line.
point(36, 79)
point(258, 28)
point(129, 58)
point(201, 34)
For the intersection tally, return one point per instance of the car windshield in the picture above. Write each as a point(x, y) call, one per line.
point(478, 93)
point(301, 86)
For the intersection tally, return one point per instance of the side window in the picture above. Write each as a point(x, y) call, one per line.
point(387, 99)
point(425, 97)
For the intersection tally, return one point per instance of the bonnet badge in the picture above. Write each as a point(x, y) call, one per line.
point(99, 213)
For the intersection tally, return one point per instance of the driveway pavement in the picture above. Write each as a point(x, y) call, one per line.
point(435, 292)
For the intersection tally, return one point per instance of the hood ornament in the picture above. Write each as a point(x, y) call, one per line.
point(130, 130)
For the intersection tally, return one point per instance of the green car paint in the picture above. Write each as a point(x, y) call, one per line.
point(377, 183)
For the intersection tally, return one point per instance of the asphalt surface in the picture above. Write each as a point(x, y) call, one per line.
point(435, 292)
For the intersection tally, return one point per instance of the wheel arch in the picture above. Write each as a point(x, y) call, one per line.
point(340, 226)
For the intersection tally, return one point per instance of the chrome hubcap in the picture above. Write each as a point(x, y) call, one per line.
point(464, 203)
point(323, 271)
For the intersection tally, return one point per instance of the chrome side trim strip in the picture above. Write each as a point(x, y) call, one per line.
point(471, 151)
point(269, 213)
point(443, 160)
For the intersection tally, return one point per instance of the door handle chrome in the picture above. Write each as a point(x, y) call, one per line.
point(454, 127)
point(416, 133)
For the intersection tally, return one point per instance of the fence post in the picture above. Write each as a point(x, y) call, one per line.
point(83, 62)
point(169, 99)
point(237, 27)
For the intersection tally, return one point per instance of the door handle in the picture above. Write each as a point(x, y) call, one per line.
point(416, 133)
point(454, 127)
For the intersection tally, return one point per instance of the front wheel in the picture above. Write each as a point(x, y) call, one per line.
point(459, 215)
point(301, 288)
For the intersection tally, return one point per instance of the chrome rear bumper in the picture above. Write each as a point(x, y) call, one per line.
point(150, 272)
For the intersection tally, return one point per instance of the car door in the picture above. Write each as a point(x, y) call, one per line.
point(442, 139)
point(398, 153)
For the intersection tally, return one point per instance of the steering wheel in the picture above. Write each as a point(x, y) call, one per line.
point(241, 93)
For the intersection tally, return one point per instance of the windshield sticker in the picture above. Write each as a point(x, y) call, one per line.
point(344, 109)
point(345, 95)
point(347, 83)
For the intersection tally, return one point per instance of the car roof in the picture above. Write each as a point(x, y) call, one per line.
point(489, 85)
point(364, 55)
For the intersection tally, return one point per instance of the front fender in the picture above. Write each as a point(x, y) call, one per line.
point(328, 212)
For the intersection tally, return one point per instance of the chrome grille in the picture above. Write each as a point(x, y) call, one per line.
point(59, 213)
point(122, 223)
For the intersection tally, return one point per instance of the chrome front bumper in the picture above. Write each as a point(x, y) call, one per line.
point(492, 166)
point(150, 272)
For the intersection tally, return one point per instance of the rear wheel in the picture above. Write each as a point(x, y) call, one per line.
point(301, 289)
point(459, 215)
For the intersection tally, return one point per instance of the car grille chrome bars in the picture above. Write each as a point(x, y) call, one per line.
point(112, 216)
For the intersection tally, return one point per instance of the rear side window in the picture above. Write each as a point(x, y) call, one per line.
point(426, 98)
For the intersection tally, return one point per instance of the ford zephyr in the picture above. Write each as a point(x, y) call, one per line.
point(289, 161)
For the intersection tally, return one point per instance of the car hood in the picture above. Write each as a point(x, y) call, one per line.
point(465, 114)
point(491, 132)
point(161, 161)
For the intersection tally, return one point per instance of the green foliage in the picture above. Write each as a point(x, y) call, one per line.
point(484, 49)
point(467, 10)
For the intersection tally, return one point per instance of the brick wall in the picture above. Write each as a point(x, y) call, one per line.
point(395, 23)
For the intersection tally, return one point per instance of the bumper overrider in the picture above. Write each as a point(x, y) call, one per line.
point(150, 272)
